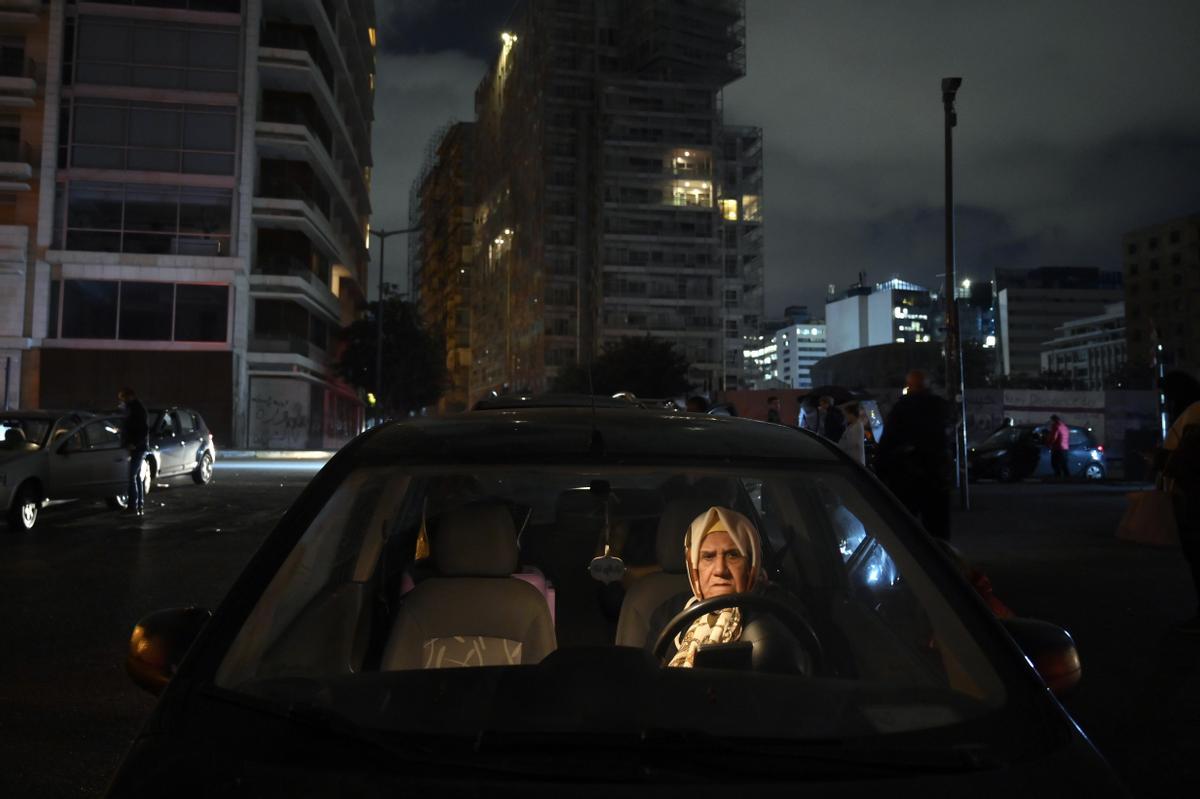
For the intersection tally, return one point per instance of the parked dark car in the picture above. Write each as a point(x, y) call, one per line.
point(1014, 453)
point(469, 605)
point(180, 444)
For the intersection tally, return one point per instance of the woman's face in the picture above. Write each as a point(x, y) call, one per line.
point(723, 569)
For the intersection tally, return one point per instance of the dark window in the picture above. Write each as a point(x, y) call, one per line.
point(89, 309)
point(146, 311)
point(1132, 249)
point(161, 55)
point(1153, 244)
point(186, 423)
point(55, 286)
point(201, 312)
point(1174, 236)
point(1133, 269)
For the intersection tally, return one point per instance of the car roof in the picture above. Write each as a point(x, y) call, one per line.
point(510, 401)
point(42, 413)
point(534, 435)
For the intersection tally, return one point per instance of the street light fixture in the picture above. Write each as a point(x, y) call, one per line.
point(955, 383)
point(383, 236)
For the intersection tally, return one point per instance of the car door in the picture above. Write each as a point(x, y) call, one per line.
point(1080, 452)
point(89, 461)
point(189, 439)
point(165, 442)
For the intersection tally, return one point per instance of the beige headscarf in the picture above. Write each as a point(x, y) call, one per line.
point(725, 625)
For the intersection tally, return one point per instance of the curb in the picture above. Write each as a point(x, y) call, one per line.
point(275, 454)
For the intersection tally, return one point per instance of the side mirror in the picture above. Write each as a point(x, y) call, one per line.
point(1051, 649)
point(159, 642)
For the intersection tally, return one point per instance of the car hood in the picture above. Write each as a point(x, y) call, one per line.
point(162, 766)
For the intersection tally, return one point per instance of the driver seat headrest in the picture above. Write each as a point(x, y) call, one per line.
point(477, 540)
point(672, 525)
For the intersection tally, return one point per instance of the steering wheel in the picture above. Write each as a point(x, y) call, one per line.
point(796, 624)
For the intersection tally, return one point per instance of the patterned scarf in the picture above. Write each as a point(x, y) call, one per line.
point(723, 626)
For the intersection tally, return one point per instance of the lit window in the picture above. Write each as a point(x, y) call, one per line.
point(750, 210)
point(729, 209)
point(371, 35)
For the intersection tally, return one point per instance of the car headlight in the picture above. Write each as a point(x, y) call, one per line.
point(1095, 454)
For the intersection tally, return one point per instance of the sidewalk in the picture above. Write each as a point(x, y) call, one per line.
point(275, 454)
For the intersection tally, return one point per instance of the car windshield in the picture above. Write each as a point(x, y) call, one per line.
point(17, 432)
point(407, 577)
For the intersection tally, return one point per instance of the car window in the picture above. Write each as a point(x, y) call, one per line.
point(102, 434)
point(19, 432)
point(1008, 435)
point(338, 601)
point(187, 424)
point(1079, 438)
point(167, 425)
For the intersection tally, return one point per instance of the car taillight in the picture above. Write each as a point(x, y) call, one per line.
point(1100, 447)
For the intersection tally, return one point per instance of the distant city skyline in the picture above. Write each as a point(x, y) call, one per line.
point(1076, 124)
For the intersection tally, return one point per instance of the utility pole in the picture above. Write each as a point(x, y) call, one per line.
point(954, 372)
point(383, 236)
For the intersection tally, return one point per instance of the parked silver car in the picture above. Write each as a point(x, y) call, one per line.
point(47, 456)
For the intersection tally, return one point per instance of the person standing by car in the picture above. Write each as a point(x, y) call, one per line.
point(914, 454)
point(135, 437)
point(1058, 439)
point(773, 410)
point(830, 421)
point(854, 439)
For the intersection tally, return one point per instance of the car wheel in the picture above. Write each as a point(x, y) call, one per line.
point(1004, 473)
point(1094, 471)
point(204, 470)
point(24, 511)
point(119, 502)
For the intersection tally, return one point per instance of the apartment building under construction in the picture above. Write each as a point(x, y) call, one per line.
point(609, 198)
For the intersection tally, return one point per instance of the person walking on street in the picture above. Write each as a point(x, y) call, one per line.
point(1179, 462)
point(773, 410)
point(854, 439)
point(914, 458)
point(1058, 439)
point(831, 423)
point(135, 437)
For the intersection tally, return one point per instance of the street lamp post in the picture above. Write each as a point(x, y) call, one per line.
point(955, 383)
point(383, 236)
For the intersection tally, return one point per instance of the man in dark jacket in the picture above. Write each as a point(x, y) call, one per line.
point(914, 454)
point(831, 421)
point(135, 437)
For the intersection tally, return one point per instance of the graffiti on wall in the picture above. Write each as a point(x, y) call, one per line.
point(278, 415)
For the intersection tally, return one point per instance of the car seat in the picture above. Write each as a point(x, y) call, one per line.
point(647, 593)
point(473, 612)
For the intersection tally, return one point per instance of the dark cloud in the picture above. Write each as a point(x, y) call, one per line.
point(1077, 122)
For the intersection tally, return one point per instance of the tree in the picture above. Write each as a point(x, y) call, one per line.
point(414, 361)
point(646, 366)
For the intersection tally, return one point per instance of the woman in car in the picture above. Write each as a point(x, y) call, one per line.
point(724, 556)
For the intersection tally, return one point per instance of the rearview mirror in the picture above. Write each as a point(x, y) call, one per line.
point(1051, 649)
point(159, 642)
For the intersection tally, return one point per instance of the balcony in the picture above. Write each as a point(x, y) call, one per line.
point(280, 344)
point(301, 142)
point(16, 164)
point(18, 13)
point(18, 79)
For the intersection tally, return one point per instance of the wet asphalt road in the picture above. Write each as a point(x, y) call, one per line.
point(71, 591)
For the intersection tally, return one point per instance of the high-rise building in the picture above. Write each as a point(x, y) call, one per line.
point(610, 199)
point(445, 216)
point(24, 44)
point(1032, 303)
point(797, 348)
point(1088, 350)
point(202, 211)
point(889, 312)
point(1162, 293)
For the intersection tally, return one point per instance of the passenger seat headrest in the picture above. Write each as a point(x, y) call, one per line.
point(672, 525)
point(476, 541)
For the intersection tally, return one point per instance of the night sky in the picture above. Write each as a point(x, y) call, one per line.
point(1078, 121)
